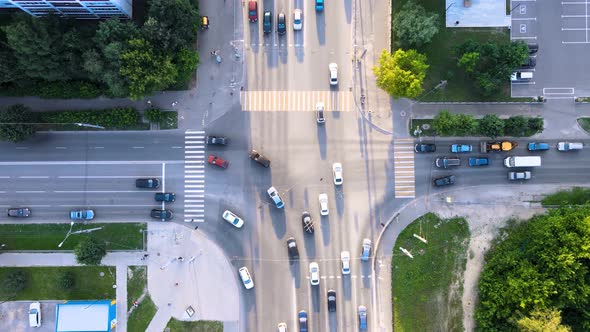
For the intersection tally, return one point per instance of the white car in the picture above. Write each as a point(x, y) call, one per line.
point(345, 258)
point(274, 195)
point(323, 198)
point(35, 314)
point(333, 73)
point(231, 218)
point(319, 112)
point(337, 173)
point(314, 270)
point(282, 327)
point(246, 278)
point(297, 19)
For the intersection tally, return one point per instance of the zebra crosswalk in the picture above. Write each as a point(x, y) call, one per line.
point(403, 163)
point(296, 101)
point(194, 176)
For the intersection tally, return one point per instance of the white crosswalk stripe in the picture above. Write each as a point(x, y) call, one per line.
point(194, 176)
point(296, 101)
point(403, 164)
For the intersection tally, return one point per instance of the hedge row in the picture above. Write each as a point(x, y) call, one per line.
point(55, 90)
point(114, 118)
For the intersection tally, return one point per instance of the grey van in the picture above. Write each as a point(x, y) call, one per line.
point(446, 162)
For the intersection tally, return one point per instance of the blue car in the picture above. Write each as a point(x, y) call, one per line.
point(302, 321)
point(538, 146)
point(362, 311)
point(482, 161)
point(458, 148)
point(274, 195)
point(82, 214)
point(319, 5)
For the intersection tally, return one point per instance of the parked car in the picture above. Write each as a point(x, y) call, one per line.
point(521, 76)
point(362, 311)
point(34, 314)
point(274, 195)
point(162, 214)
point(267, 22)
point(569, 146)
point(292, 249)
point(82, 214)
point(446, 162)
point(281, 23)
point(314, 271)
point(424, 148)
point(319, 5)
point(366, 250)
point(302, 316)
point(331, 300)
point(337, 173)
point(444, 181)
point(217, 161)
point(22, 212)
point(526, 175)
point(529, 63)
point(345, 262)
point(460, 148)
point(533, 146)
point(150, 183)
point(306, 222)
point(216, 140)
point(165, 197)
point(233, 219)
point(297, 20)
point(253, 11)
point(319, 112)
point(246, 277)
point(323, 198)
point(257, 157)
point(282, 327)
point(333, 73)
point(479, 161)
point(533, 48)
point(204, 22)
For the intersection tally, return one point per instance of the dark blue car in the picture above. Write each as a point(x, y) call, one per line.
point(319, 5)
point(534, 146)
point(302, 321)
point(481, 161)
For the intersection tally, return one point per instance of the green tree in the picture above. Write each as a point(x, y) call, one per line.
point(154, 115)
point(90, 251)
point(14, 281)
point(491, 125)
point(536, 125)
point(146, 70)
point(466, 124)
point(9, 72)
point(401, 74)
point(445, 123)
point(186, 62)
point(468, 61)
point(515, 126)
point(13, 123)
point(66, 280)
point(171, 25)
point(545, 320)
point(414, 26)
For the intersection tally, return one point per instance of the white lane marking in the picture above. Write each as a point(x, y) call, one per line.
point(98, 147)
point(33, 177)
point(198, 176)
point(104, 176)
point(138, 147)
point(163, 180)
point(61, 147)
point(101, 191)
point(177, 147)
point(21, 147)
point(29, 191)
point(82, 162)
point(194, 181)
point(115, 205)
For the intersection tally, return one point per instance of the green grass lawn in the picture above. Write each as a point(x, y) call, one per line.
point(427, 289)
point(443, 62)
point(118, 236)
point(584, 123)
point(136, 283)
point(141, 317)
point(41, 283)
point(198, 326)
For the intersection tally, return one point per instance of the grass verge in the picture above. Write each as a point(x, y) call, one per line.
point(141, 317)
point(169, 120)
point(199, 326)
point(584, 123)
point(427, 289)
point(575, 196)
point(136, 283)
point(118, 236)
point(42, 283)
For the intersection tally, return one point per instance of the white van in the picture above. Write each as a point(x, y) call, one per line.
point(521, 76)
point(517, 161)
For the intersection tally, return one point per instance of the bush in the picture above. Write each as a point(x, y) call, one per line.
point(516, 126)
point(575, 196)
point(154, 115)
point(56, 90)
point(449, 124)
point(114, 118)
point(491, 125)
point(90, 251)
point(535, 125)
point(15, 281)
point(66, 280)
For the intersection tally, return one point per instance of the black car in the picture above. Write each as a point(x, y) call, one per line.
point(19, 212)
point(147, 183)
point(533, 48)
point(161, 214)
point(307, 222)
point(257, 157)
point(216, 140)
point(267, 22)
point(281, 23)
point(331, 300)
point(165, 197)
point(444, 181)
point(423, 147)
point(529, 63)
point(292, 249)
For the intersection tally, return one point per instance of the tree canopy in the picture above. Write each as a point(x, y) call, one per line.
point(13, 123)
point(90, 251)
point(402, 73)
point(539, 265)
point(414, 26)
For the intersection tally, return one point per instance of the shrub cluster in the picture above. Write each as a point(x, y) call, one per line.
point(449, 124)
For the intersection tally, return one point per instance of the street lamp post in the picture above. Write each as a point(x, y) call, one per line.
point(67, 235)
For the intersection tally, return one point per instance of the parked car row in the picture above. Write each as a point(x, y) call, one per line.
point(281, 17)
point(157, 213)
point(302, 316)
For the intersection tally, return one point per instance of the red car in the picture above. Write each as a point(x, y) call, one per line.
point(253, 10)
point(215, 160)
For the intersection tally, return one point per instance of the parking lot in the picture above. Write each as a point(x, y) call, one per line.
point(14, 316)
point(561, 31)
